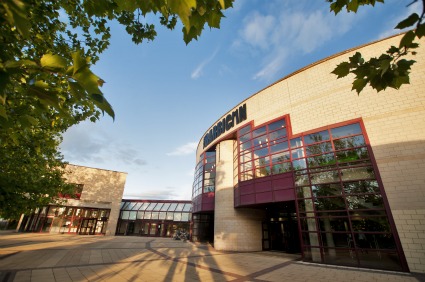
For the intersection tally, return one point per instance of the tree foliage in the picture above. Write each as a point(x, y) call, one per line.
point(47, 48)
point(390, 69)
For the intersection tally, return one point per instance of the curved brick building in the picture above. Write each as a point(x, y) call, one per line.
point(307, 166)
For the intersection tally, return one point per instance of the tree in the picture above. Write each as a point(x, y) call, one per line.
point(46, 50)
point(390, 69)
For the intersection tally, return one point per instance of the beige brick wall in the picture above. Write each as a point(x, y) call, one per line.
point(394, 121)
point(234, 229)
point(102, 189)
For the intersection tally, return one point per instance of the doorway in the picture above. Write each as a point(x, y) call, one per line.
point(280, 229)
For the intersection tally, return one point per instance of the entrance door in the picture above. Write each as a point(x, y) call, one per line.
point(280, 231)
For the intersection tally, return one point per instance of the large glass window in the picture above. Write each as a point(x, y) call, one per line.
point(263, 151)
point(339, 200)
point(204, 181)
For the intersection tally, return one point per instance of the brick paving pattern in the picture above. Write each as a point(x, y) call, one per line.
point(49, 257)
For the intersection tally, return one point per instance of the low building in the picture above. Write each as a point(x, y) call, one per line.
point(94, 210)
point(157, 218)
point(308, 166)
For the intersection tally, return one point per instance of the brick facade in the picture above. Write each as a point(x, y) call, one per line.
point(394, 122)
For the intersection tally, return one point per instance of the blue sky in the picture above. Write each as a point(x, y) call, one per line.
point(166, 94)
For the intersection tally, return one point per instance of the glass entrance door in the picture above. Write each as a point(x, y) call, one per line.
point(280, 230)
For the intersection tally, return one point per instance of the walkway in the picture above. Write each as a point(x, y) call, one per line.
point(48, 257)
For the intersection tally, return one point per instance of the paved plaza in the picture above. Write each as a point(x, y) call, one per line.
point(51, 257)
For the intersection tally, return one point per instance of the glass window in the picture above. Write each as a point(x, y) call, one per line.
point(245, 146)
point(154, 215)
point(281, 133)
point(352, 155)
point(136, 206)
point(125, 214)
point(147, 215)
point(325, 190)
point(172, 207)
point(349, 142)
point(165, 207)
point(301, 180)
point(185, 216)
point(162, 215)
point(362, 186)
point(259, 131)
point(187, 207)
point(331, 224)
point(170, 215)
point(280, 157)
point(317, 149)
point(303, 192)
point(277, 125)
point(324, 177)
point(261, 162)
point(368, 201)
point(158, 206)
point(279, 147)
point(132, 215)
point(261, 152)
point(140, 215)
point(357, 173)
point(281, 168)
point(351, 129)
point(326, 204)
point(151, 206)
point(262, 171)
point(305, 205)
point(244, 130)
point(296, 142)
point(130, 207)
point(321, 160)
point(260, 141)
point(297, 153)
point(177, 216)
point(370, 224)
point(316, 137)
point(299, 164)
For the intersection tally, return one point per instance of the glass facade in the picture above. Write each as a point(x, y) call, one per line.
point(204, 181)
point(340, 202)
point(153, 218)
point(263, 151)
point(68, 219)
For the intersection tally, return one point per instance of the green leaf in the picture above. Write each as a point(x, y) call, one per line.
point(31, 119)
point(79, 62)
point(359, 84)
point(103, 104)
point(183, 8)
point(384, 65)
point(88, 80)
point(16, 15)
point(411, 20)
point(3, 111)
point(53, 62)
point(343, 69)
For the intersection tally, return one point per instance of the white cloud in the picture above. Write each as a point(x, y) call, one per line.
point(186, 149)
point(257, 29)
point(284, 32)
point(200, 68)
point(86, 142)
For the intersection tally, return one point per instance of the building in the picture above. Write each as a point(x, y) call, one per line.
point(93, 211)
point(308, 166)
point(156, 218)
